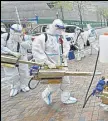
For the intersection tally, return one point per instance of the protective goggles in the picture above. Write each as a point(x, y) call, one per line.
point(60, 27)
point(19, 31)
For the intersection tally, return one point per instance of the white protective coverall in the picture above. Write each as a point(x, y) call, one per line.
point(17, 76)
point(80, 43)
point(90, 34)
point(49, 53)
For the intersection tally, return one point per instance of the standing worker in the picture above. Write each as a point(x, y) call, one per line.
point(15, 45)
point(48, 51)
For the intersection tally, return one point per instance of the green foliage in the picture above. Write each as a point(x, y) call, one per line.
point(104, 12)
point(65, 4)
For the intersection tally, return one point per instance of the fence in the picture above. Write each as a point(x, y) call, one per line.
point(72, 22)
point(29, 22)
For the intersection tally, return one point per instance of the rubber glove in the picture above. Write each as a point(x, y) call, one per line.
point(16, 54)
point(51, 65)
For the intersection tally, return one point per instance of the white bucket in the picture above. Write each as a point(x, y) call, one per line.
point(103, 43)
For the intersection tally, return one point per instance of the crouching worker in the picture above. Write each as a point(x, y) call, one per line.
point(15, 45)
point(47, 50)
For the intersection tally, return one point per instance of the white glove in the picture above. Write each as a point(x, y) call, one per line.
point(51, 65)
point(16, 54)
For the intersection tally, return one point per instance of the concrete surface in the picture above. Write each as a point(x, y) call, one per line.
point(30, 107)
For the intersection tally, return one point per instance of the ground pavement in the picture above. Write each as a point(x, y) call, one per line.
point(30, 107)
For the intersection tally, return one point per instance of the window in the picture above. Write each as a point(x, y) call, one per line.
point(36, 30)
point(44, 28)
point(70, 29)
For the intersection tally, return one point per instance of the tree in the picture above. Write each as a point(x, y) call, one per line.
point(61, 5)
point(64, 4)
point(81, 6)
point(104, 12)
point(100, 13)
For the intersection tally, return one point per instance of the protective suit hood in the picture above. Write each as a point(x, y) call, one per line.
point(56, 27)
point(15, 28)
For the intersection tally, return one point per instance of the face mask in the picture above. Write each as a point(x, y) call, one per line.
point(58, 32)
point(17, 34)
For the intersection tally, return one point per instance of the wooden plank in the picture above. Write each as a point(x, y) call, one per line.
point(8, 65)
point(71, 73)
point(8, 59)
point(47, 73)
point(51, 73)
point(12, 60)
point(56, 73)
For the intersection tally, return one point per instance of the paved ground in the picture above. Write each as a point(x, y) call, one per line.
point(30, 107)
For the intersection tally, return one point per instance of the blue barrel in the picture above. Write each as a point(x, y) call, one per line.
point(71, 55)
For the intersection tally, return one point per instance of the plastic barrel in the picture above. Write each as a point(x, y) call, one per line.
point(103, 43)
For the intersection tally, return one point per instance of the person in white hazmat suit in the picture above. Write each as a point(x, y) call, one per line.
point(90, 35)
point(3, 30)
point(49, 53)
point(18, 76)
